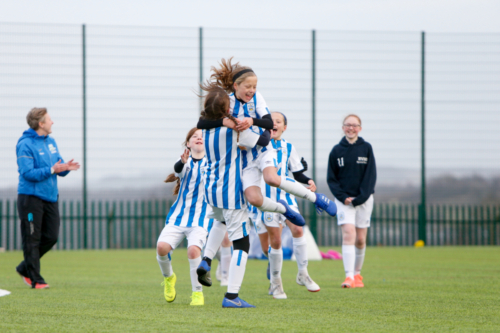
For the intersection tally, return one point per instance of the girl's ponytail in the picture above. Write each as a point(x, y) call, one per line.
point(172, 178)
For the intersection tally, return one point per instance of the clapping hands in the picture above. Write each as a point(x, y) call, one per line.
point(69, 166)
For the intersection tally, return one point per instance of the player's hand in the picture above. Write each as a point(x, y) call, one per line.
point(312, 185)
point(244, 124)
point(348, 201)
point(242, 148)
point(71, 166)
point(185, 156)
point(304, 163)
point(229, 123)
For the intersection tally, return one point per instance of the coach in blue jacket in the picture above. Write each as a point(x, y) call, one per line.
point(39, 164)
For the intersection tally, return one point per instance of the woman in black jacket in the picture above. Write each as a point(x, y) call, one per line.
point(351, 177)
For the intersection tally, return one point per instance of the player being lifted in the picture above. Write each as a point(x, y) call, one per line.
point(187, 217)
point(250, 108)
point(224, 191)
point(289, 166)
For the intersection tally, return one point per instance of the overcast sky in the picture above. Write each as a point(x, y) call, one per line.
point(381, 15)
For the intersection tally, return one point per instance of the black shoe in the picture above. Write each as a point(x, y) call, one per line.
point(203, 272)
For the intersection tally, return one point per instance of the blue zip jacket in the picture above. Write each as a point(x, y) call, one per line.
point(352, 171)
point(36, 154)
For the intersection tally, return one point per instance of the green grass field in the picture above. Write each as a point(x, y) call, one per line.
point(406, 289)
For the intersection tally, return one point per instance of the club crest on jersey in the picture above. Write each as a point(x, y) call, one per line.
point(341, 216)
point(251, 107)
point(268, 217)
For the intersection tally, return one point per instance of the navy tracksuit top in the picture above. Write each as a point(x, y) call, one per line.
point(351, 171)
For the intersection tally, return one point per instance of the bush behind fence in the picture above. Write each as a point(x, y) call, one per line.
point(137, 224)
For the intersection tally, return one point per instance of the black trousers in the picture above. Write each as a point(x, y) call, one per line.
point(39, 230)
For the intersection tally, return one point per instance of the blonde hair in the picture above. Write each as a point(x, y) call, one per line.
point(352, 115)
point(36, 116)
point(172, 177)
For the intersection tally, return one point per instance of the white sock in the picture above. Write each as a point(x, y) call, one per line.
point(214, 240)
point(276, 261)
point(165, 264)
point(300, 251)
point(225, 260)
point(193, 265)
point(348, 256)
point(217, 255)
point(236, 271)
point(297, 189)
point(269, 205)
point(360, 258)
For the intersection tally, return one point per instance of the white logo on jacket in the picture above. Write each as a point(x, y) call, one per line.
point(362, 160)
point(52, 149)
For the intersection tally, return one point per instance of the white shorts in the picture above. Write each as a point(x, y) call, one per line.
point(360, 215)
point(252, 174)
point(236, 220)
point(274, 220)
point(174, 235)
point(260, 228)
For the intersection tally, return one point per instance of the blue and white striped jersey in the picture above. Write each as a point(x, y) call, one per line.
point(190, 209)
point(256, 108)
point(253, 212)
point(288, 162)
point(223, 187)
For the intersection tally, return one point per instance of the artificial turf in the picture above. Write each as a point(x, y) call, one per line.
point(431, 289)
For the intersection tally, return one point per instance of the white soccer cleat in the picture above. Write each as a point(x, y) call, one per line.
point(277, 290)
point(305, 280)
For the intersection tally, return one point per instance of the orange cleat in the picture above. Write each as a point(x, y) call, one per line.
point(41, 286)
point(358, 281)
point(348, 283)
point(26, 280)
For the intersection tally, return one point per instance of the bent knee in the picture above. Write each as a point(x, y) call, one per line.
point(163, 248)
point(273, 180)
point(194, 252)
point(255, 199)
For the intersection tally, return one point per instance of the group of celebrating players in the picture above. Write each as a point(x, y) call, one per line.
point(238, 171)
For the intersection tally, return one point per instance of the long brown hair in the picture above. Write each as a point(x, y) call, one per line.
point(172, 177)
point(223, 76)
point(216, 104)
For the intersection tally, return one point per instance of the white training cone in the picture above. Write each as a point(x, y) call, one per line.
point(4, 292)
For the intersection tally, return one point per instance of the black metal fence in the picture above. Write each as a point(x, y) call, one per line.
point(132, 225)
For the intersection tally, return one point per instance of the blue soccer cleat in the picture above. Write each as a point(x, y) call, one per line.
point(235, 303)
point(324, 204)
point(292, 215)
point(203, 272)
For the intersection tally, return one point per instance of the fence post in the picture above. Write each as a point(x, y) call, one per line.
point(201, 66)
point(312, 210)
point(2, 245)
point(84, 166)
point(422, 212)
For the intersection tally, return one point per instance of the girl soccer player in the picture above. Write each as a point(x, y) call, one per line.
point(224, 192)
point(187, 217)
point(351, 177)
point(249, 106)
point(289, 166)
